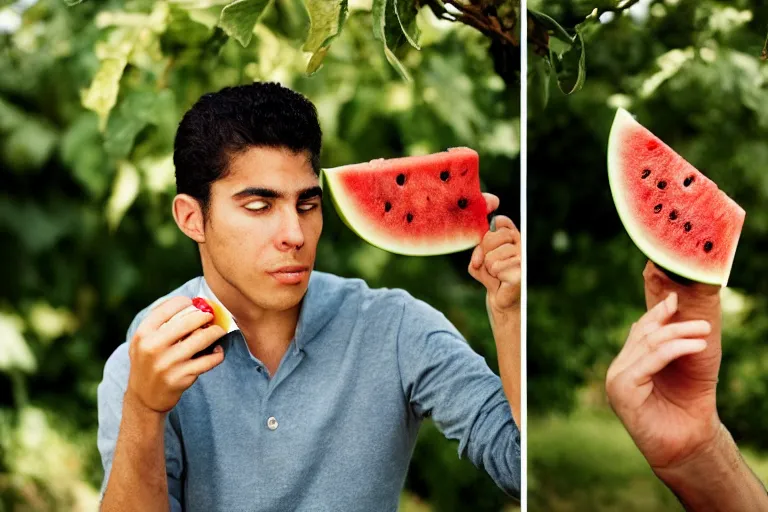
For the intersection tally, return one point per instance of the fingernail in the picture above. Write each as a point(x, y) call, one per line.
point(217, 349)
point(493, 223)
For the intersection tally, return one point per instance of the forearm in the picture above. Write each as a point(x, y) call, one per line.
point(137, 479)
point(717, 479)
point(506, 334)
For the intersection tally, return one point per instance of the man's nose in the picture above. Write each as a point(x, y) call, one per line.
point(291, 235)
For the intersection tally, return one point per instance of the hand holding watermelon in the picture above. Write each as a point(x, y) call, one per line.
point(496, 263)
point(662, 385)
point(161, 367)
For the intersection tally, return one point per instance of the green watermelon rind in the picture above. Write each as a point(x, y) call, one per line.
point(358, 226)
point(659, 256)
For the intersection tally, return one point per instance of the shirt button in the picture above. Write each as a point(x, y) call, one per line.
point(272, 423)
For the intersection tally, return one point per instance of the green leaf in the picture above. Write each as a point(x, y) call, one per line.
point(326, 20)
point(406, 11)
point(539, 71)
point(550, 24)
point(124, 193)
point(29, 147)
point(135, 112)
point(239, 18)
point(82, 150)
point(101, 96)
point(14, 351)
point(380, 28)
point(570, 66)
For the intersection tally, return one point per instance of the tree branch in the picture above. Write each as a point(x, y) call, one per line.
point(538, 34)
point(478, 14)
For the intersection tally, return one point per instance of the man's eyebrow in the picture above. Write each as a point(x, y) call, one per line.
point(258, 192)
point(310, 193)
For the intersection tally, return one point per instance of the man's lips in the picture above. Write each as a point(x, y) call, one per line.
point(292, 274)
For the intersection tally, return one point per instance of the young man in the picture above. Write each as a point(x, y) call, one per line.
point(663, 388)
point(315, 395)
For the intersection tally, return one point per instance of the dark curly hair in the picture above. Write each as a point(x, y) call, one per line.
point(224, 123)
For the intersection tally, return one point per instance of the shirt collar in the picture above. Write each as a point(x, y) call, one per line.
point(313, 315)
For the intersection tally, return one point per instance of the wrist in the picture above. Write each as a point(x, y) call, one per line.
point(714, 477)
point(135, 409)
point(508, 316)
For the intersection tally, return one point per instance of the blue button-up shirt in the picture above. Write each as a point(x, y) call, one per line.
point(335, 427)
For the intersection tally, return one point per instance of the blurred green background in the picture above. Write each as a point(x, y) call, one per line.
point(692, 73)
point(85, 224)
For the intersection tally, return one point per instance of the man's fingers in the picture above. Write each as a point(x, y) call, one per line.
point(502, 221)
point(482, 275)
point(162, 313)
point(202, 364)
point(689, 329)
point(652, 363)
point(502, 258)
point(478, 255)
point(491, 202)
point(657, 315)
point(197, 341)
point(502, 235)
point(179, 328)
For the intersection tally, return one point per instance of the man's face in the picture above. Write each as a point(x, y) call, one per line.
point(263, 225)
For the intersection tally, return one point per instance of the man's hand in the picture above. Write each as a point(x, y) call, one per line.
point(496, 262)
point(162, 367)
point(662, 385)
point(668, 415)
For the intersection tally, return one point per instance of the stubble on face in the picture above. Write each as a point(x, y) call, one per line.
point(261, 231)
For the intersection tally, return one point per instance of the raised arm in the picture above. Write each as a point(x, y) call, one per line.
point(496, 264)
point(662, 385)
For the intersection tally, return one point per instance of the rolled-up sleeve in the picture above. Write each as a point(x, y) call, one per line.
point(443, 378)
point(110, 406)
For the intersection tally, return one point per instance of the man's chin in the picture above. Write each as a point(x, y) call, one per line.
point(283, 297)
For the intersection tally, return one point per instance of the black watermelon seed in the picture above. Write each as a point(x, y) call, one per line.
point(672, 215)
point(646, 173)
point(662, 185)
point(445, 175)
point(400, 179)
point(409, 217)
point(707, 246)
point(657, 208)
point(387, 206)
point(463, 203)
point(687, 226)
point(688, 181)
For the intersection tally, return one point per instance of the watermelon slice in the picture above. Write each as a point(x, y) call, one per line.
point(221, 317)
point(674, 214)
point(419, 205)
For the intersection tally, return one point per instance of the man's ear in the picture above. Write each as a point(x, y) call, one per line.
point(188, 215)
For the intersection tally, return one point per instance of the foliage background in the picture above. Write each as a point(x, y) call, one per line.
point(691, 71)
point(85, 226)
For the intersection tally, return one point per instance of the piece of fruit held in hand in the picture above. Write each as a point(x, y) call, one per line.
point(220, 317)
point(417, 205)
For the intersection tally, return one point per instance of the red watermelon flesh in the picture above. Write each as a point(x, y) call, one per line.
point(419, 205)
point(677, 216)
